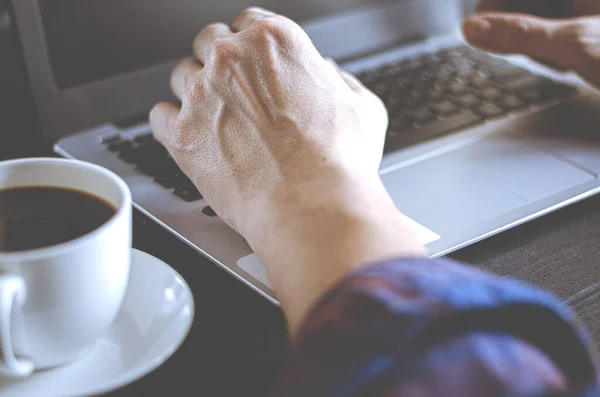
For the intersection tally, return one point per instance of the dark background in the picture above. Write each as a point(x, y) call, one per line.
point(237, 344)
point(90, 40)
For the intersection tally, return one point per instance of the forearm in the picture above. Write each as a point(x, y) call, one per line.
point(437, 328)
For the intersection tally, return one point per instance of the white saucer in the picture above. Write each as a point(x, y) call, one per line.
point(155, 319)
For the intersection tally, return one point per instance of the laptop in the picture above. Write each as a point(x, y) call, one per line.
point(477, 144)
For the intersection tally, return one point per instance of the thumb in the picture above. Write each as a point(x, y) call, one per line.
point(557, 42)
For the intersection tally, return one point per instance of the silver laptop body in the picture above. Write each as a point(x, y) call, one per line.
point(456, 189)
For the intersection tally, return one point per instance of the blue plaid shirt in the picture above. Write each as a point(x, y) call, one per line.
point(424, 327)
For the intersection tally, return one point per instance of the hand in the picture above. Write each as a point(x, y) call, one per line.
point(571, 44)
point(262, 111)
point(286, 149)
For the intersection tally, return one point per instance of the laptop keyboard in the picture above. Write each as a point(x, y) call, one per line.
point(427, 97)
point(151, 158)
point(453, 89)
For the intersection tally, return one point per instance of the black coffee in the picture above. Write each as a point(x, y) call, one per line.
point(35, 217)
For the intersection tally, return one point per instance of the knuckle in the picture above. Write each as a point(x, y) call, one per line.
point(252, 11)
point(195, 91)
point(522, 30)
point(522, 26)
point(205, 34)
point(583, 40)
point(276, 27)
point(224, 52)
point(248, 12)
point(514, 30)
point(180, 136)
point(205, 31)
point(155, 112)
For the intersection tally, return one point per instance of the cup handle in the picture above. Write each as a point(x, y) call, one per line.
point(12, 287)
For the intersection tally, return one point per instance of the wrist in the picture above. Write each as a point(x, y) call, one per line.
point(332, 192)
point(312, 235)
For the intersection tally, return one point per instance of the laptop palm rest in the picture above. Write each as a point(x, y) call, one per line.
point(478, 182)
point(466, 186)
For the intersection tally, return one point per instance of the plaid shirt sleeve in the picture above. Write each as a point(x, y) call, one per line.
point(420, 327)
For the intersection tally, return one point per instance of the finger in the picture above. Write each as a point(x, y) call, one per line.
point(162, 120)
point(183, 75)
point(348, 78)
point(204, 42)
point(366, 94)
point(353, 83)
point(249, 16)
point(519, 34)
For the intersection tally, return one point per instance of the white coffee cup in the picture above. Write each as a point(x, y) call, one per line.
point(55, 302)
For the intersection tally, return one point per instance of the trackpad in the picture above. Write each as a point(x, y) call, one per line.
point(478, 182)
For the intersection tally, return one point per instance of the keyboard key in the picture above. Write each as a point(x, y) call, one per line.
point(184, 182)
point(158, 166)
point(544, 91)
point(463, 66)
point(422, 116)
point(419, 91)
point(188, 194)
point(119, 146)
point(490, 94)
point(428, 74)
point(446, 54)
point(149, 148)
point(500, 67)
point(553, 90)
point(167, 181)
point(489, 110)
point(464, 72)
point(143, 154)
point(511, 103)
point(531, 96)
point(169, 170)
point(480, 82)
point(388, 70)
point(398, 125)
point(469, 100)
point(431, 58)
point(209, 212)
point(509, 75)
point(145, 139)
point(524, 83)
point(433, 130)
point(444, 108)
point(380, 89)
point(128, 156)
point(109, 139)
point(476, 56)
point(393, 104)
point(436, 93)
point(446, 72)
point(402, 82)
point(459, 88)
point(412, 104)
point(367, 78)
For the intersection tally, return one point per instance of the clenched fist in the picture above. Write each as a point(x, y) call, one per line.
point(261, 112)
point(286, 148)
point(571, 43)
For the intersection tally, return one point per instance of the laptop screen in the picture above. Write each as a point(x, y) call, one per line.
point(92, 40)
